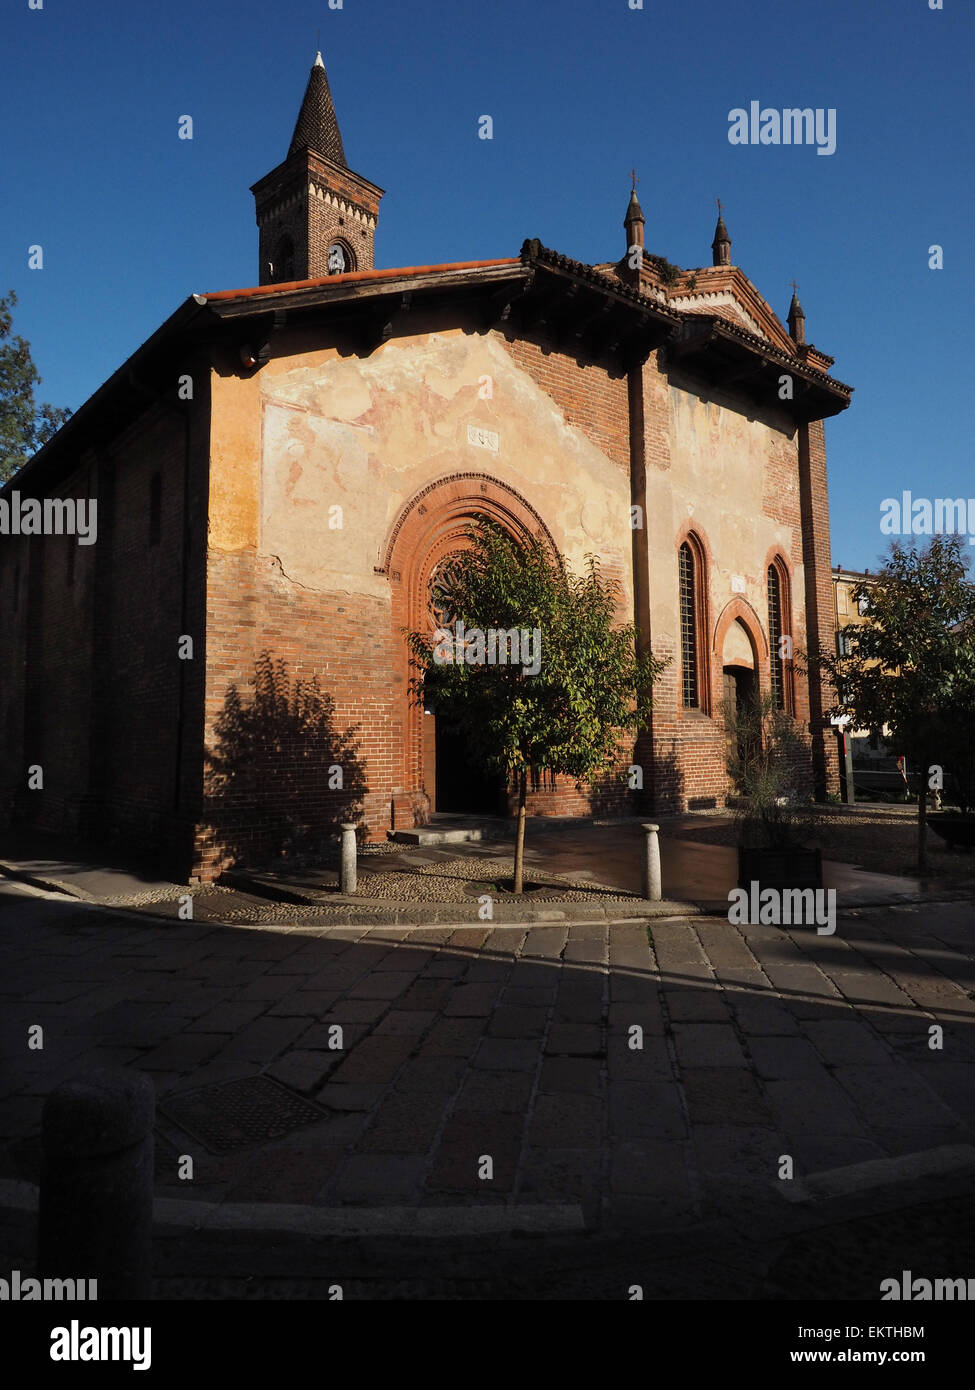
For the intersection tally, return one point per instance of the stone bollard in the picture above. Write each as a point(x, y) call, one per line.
point(348, 877)
point(95, 1210)
point(651, 864)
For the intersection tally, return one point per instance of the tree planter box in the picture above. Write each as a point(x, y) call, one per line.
point(780, 868)
point(957, 830)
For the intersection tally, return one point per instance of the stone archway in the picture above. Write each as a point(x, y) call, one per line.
point(431, 527)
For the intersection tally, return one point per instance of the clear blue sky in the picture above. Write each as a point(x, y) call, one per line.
point(132, 219)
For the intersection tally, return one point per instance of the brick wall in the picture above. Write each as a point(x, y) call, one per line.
point(315, 202)
point(818, 598)
point(589, 397)
point(298, 683)
point(95, 693)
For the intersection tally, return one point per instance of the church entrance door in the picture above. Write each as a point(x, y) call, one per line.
point(453, 781)
point(740, 688)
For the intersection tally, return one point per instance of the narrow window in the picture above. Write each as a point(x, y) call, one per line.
point(155, 509)
point(283, 263)
point(775, 635)
point(688, 628)
point(779, 627)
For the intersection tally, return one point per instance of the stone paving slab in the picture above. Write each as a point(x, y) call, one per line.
point(651, 1076)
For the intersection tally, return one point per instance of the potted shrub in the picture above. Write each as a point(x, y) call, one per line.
point(769, 765)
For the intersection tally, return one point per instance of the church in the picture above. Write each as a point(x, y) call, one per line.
point(279, 470)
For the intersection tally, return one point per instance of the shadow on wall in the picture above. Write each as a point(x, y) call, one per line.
point(282, 777)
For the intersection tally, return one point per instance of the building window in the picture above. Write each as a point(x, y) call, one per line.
point(775, 637)
point(340, 259)
point(690, 685)
point(283, 261)
point(155, 509)
point(779, 627)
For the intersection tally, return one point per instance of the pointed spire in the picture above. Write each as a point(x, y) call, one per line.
point(797, 319)
point(317, 127)
point(721, 245)
point(634, 221)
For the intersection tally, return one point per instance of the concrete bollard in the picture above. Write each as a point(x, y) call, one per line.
point(348, 876)
point(651, 864)
point(95, 1210)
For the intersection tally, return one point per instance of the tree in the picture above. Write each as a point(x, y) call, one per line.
point(530, 667)
point(912, 666)
point(24, 425)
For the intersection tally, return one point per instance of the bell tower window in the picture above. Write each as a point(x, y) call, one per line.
point(340, 259)
point(283, 260)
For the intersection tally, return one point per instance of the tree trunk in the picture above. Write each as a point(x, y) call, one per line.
point(922, 821)
point(520, 833)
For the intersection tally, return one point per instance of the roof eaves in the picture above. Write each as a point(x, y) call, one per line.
point(180, 320)
point(354, 277)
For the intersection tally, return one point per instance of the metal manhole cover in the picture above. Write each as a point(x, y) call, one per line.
point(235, 1114)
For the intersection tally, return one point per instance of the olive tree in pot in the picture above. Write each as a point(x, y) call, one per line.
point(768, 762)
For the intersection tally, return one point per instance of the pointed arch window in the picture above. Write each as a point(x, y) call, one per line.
point(691, 586)
point(779, 627)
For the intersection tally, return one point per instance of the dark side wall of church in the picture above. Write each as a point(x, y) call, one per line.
point(94, 692)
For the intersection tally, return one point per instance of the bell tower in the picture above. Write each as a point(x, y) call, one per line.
point(315, 216)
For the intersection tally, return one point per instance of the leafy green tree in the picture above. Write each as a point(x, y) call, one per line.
point(591, 684)
point(24, 425)
point(911, 668)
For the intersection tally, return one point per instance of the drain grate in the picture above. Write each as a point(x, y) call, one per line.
point(235, 1114)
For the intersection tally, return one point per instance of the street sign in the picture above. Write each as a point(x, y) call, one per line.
point(840, 720)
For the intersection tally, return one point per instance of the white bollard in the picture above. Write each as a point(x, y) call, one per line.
point(651, 864)
point(347, 881)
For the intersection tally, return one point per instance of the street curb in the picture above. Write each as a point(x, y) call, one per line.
point(51, 885)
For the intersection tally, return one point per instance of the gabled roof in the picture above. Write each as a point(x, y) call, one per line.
point(317, 127)
point(580, 309)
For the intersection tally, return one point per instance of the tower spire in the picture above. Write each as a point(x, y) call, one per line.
point(316, 216)
point(721, 245)
point(633, 222)
point(797, 319)
point(317, 127)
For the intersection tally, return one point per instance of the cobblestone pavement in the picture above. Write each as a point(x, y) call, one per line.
point(626, 1076)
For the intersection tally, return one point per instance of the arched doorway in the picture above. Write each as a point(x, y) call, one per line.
point(433, 771)
point(739, 672)
point(452, 779)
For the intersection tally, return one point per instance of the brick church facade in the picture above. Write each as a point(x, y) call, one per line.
point(279, 471)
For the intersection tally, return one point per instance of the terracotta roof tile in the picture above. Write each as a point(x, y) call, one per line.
point(355, 275)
